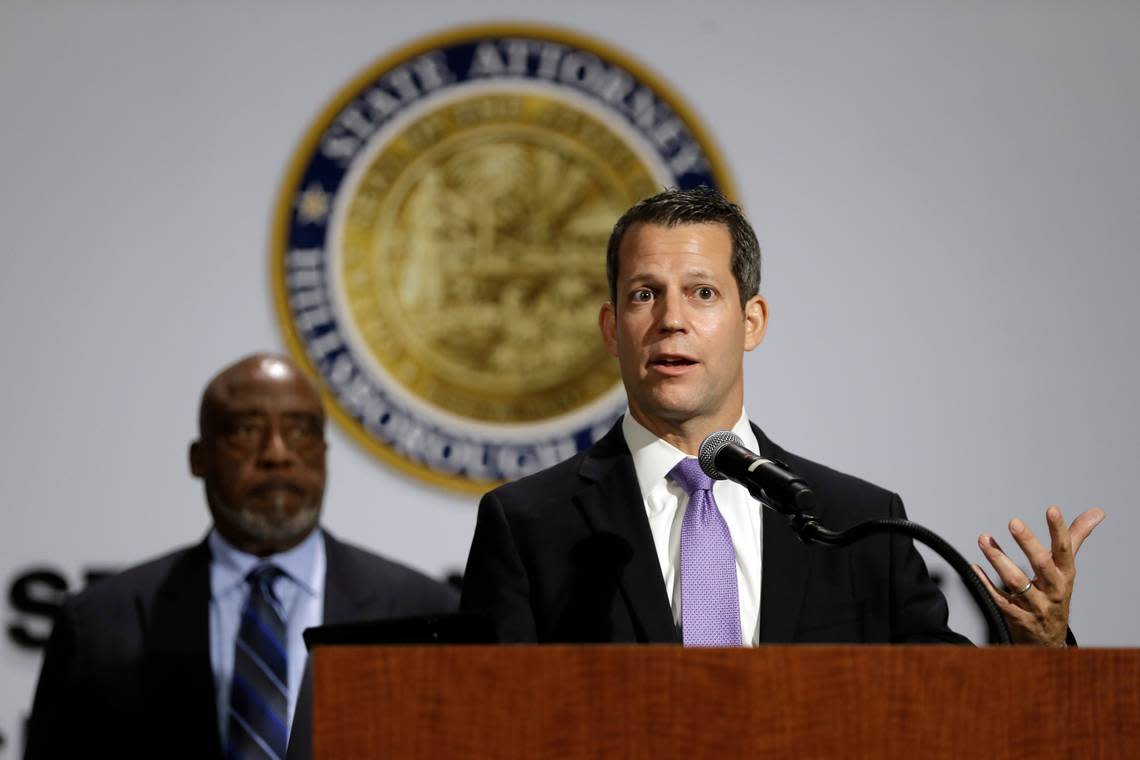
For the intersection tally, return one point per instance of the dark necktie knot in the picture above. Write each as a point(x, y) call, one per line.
point(688, 474)
point(262, 578)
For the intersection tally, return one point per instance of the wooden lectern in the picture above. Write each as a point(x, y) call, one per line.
point(670, 702)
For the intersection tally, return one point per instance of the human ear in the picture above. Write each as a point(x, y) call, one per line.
point(755, 321)
point(607, 323)
point(197, 460)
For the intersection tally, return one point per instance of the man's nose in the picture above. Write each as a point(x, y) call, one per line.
point(672, 312)
point(275, 452)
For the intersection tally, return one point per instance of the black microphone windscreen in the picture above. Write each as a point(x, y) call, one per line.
point(712, 445)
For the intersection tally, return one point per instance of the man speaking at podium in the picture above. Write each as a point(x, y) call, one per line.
point(630, 541)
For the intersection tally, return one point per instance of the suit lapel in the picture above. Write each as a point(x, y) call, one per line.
point(612, 504)
point(783, 581)
point(178, 676)
point(785, 568)
point(345, 596)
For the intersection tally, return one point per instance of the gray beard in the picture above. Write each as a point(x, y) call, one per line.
point(275, 526)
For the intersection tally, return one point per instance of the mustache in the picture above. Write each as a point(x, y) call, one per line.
point(270, 485)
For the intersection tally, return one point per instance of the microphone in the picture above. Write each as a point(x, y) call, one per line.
point(723, 457)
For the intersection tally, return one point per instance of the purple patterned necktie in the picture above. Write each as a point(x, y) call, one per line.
point(710, 606)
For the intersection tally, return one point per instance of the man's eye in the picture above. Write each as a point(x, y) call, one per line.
point(706, 293)
point(245, 434)
point(642, 295)
point(303, 434)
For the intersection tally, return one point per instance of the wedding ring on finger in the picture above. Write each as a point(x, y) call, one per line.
point(1023, 590)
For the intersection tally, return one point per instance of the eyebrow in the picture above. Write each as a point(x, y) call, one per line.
point(311, 416)
point(244, 412)
point(695, 274)
point(256, 412)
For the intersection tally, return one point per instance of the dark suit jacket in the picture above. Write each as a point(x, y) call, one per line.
point(566, 555)
point(127, 672)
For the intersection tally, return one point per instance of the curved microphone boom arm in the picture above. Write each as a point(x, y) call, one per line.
point(774, 485)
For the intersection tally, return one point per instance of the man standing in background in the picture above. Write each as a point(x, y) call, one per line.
point(199, 653)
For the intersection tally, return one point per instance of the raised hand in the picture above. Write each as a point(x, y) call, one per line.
point(1037, 609)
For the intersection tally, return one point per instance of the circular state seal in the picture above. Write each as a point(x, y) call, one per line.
point(438, 251)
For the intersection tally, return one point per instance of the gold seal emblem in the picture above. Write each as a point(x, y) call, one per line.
point(474, 254)
point(440, 251)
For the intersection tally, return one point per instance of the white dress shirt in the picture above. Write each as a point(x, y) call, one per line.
point(300, 591)
point(665, 504)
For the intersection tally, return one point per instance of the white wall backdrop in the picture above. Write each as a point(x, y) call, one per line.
point(946, 195)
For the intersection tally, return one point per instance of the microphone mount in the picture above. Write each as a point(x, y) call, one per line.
point(789, 495)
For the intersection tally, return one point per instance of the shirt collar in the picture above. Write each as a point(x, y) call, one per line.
point(653, 457)
point(231, 565)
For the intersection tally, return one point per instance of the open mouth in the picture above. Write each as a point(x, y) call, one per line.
point(671, 364)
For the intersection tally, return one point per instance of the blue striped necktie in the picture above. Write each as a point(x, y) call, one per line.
point(259, 694)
